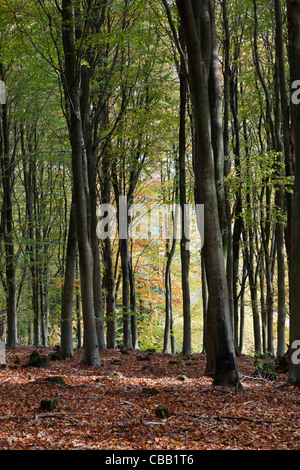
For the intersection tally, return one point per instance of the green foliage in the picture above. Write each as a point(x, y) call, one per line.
point(133, 64)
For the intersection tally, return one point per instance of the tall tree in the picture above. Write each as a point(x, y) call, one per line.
point(293, 8)
point(72, 16)
point(184, 241)
point(67, 348)
point(7, 176)
point(198, 26)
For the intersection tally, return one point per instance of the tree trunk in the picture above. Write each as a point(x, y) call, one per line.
point(217, 138)
point(134, 329)
point(78, 307)
point(238, 220)
point(252, 277)
point(168, 331)
point(80, 180)
point(125, 260)
point(197, 26)
point(110, 282)
point(280, 53)
point(184, 241)
point(263, 307)
point(204, 303)
point(123, 223)
point(281, 197)
point(68, 287)
point(294, 268)
point(7, 168)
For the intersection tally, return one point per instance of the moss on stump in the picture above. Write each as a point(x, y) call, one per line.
point(162, 412)
point(37, 360)
point(48, 405)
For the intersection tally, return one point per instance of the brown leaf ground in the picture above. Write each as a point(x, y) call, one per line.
point(99, 409)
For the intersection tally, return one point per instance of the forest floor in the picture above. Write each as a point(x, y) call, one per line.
point(114, 407)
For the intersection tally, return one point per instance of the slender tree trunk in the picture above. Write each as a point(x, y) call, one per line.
point(215, 93)
point(279, 229)
point(270, 306)
point(252, 277)
point(32, 197)
point(228, 235)
point(184, 241)
point(238, 220)
point(124, 254)
point(110, 282)
point(204, 303)
point(280, 53)
point(7, 168)
point(281, 197)
point(92, 160)
point(263, 307)
point(168, 331)
point(68, 287)
point(111, 339)
point(134, 329)
point(78, 306)
point(242, 311)
point(97, 276)
point(44, 305)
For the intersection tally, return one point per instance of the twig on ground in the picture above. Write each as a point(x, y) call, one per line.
point(54, 415)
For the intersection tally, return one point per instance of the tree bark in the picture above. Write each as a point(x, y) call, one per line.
point(168, 330)
point(197, 26)
point(80, 180)
point(7, 168)
point(289, 165)
point(294, 268)
point(110, 282)
point(67, 348)
point(184, 241)
point(134, 328)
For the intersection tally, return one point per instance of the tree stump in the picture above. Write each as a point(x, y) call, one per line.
point(151, 392)
point(48, 405)
point(37, 360)
point(56, 379)
point(162, 412)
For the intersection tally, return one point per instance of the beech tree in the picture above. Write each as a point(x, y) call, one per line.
point(194, 86)
point(71, 18)
point(8, 155)
point(293, 8)
point(198, 25)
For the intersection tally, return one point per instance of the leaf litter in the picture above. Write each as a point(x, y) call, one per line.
point(115, 406)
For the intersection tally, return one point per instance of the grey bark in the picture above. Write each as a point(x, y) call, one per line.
point(67, 348)
point(80, 180)
point(294, 268)
point(197, 26)
point(7, 169)
point(184, 241)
